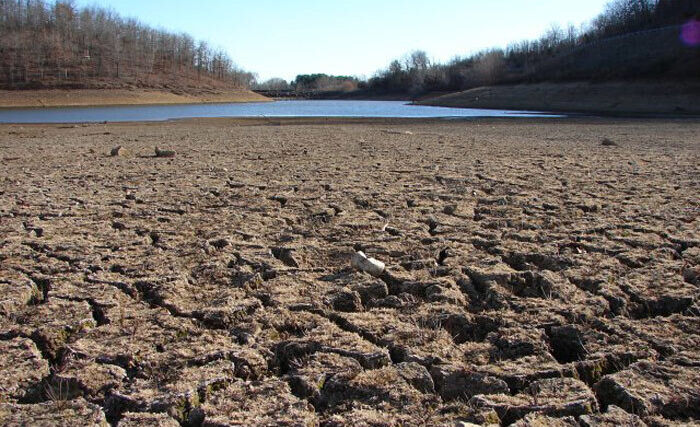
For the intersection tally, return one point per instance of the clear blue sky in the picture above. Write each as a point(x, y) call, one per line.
point(283, 38)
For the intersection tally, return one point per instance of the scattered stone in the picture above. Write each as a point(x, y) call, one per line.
point(164, 153)
point(117, 151)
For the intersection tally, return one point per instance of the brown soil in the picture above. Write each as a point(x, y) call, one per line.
point(97, 97)
point(534, 276)
point(593, 98)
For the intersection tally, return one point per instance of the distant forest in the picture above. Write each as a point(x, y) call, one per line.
point(56, 44)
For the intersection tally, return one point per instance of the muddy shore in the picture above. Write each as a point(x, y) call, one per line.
point(539, 272)
point(112, 97)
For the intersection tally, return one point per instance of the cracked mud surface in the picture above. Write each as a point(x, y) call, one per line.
point(534, 276)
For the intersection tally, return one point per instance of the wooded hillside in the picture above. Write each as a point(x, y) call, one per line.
point(55, 44)
point(630, 40)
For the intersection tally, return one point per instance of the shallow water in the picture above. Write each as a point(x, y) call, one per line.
point(387, 109)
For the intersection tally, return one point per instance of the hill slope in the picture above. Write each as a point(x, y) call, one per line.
point(603, 98)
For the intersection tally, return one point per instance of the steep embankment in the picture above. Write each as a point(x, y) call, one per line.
point(101, 97)
point(640, 98)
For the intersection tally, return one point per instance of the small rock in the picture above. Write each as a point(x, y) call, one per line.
point(117, 151)
point(164, 153)
point(608, 143)
point(371, 266)
point(450, 209)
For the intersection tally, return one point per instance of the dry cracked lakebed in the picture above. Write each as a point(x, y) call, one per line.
point(534, 275)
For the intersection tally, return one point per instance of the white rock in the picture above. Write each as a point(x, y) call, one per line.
point(371, 266)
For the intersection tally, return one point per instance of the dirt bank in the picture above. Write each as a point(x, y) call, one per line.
point(101, 97)
point(534, 274)
point(622, 99)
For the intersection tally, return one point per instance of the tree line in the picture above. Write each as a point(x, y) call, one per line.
point(631, 39)
point(56, 44)
point(312, 82)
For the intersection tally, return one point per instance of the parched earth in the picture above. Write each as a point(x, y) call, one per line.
point(534, 275)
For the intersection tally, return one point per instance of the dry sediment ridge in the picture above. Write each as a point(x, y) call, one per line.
point(534, 276)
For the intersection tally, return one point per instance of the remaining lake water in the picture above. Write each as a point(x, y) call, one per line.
point(386, 109)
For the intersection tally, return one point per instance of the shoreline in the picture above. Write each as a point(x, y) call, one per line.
point(639, 99)
point(582, 120)
point(76, 98)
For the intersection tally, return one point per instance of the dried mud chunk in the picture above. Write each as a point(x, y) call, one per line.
point(649, 388)
point(383, 388)
point(17, 292)
point(92, 379)
point(498, 273)
point(538, 420)
point(513, 343)
point(416, 375)
point(657, 293)
point(559, 397)
point(519, 373)
point(453, 382)
point(172, 390)
point(152, 337)
point(524, 261)
point(430, 414)
point(659, 421)
point(52, 324)
point(317, 334)
point(408, 339)
point(256, 403)
point(675, 338)
point(21, 369)
point(370, 289)
point(614, 416)
point(135, 419)
point(62, 413)
point(530, 284)
point(447, 293)
point(309, 374)
point(345, 300)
